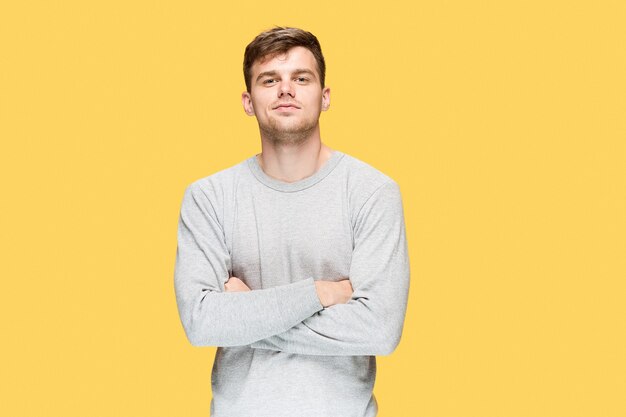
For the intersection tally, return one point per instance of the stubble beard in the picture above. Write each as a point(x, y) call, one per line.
point(292, 135)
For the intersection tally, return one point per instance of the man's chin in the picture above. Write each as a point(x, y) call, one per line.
point(288, 134)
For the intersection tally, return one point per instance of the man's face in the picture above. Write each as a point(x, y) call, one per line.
point(286, 95)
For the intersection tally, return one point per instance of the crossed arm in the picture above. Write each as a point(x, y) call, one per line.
point(329, 292)
point(292, 318)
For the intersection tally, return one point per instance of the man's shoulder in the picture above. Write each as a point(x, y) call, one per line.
point(362, 177)
point(222, 178)
point(363, 181)
point(216, 188)
point(363, 170)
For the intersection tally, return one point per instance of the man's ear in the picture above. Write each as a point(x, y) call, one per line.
point(325, 98)
point(246, 100)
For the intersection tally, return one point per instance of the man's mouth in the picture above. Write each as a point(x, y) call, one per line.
point(286, 106)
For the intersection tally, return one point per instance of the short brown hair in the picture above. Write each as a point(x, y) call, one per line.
point(278, 41)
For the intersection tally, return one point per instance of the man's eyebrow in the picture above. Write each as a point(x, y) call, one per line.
point(304, 71)
point(266, 74)
point(296, 71)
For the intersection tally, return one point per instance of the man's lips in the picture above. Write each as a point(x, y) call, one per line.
point(287, 106)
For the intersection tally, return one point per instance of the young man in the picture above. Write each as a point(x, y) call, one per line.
point(293, 262)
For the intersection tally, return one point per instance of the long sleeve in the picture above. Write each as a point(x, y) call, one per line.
point(210, 316)
point(371, 322)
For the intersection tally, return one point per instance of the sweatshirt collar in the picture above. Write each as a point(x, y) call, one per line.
point(307, 182)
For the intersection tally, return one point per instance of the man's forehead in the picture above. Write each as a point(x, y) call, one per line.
point(297, 51)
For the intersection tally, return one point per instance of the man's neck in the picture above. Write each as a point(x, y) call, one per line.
point(290, 162)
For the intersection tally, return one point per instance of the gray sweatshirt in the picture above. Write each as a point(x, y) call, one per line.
point(280, 352)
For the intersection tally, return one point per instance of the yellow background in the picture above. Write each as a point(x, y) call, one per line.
point(502, 121)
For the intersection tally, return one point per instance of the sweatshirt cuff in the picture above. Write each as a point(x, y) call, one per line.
point(298, 301)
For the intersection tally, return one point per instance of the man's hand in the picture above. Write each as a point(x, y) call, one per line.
point(331, 292)
point(234, 284)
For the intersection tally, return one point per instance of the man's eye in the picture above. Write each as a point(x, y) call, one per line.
point(269, 81)
point(302, 79)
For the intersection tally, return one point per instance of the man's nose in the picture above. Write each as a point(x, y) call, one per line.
point(286, 88)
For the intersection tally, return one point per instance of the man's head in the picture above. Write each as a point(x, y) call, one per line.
point(277, 41)
point(284, 70)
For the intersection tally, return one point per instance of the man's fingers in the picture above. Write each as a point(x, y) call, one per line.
point(347, 284)
point(235, 284)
